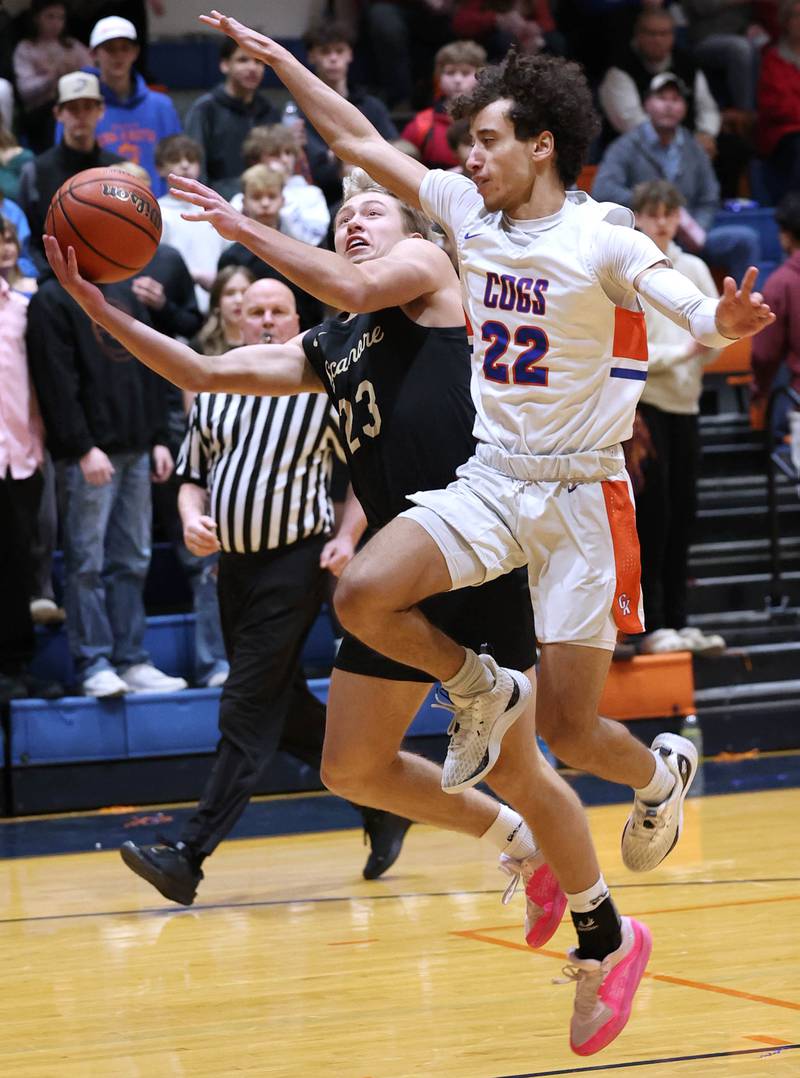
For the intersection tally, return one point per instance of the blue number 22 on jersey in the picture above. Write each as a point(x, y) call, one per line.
point(524, 369)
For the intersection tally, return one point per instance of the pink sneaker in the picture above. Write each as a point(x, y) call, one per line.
point(605, 990)
point(545, 902)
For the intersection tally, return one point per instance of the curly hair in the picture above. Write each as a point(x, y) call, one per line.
point(547, 93)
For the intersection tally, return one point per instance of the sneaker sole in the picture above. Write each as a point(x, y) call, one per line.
point(690, 752)
point(615, 1025)
point(142, 867)
point(545, 926)
point(501, 727)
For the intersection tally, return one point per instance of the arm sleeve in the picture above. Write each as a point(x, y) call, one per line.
point(192, 465)
point(620, 100)
point(449, 199)
point(675, 296)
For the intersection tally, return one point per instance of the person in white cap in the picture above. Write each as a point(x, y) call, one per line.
point(136, 117)
point(79, 110)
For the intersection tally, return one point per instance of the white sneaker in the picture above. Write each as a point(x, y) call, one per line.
point(144, 677)
point(604, 990)
point(217, 679)
point(479, 725)
point(662, 641)
point(652, 830)
point(701, 643)
point(104, 684)
point(545, 902)
point(46, 612)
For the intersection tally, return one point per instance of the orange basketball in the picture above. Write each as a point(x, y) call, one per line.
point(110, 218)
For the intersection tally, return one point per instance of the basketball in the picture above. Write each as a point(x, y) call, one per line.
point(111, 220)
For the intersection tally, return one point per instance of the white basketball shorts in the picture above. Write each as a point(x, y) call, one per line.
point(570, 519)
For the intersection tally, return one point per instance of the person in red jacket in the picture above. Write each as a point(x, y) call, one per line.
point(456, 66)
point(779, 105)
point(498, 24)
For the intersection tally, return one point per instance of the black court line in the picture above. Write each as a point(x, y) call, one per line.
point(267, 903)
point(765, 1051)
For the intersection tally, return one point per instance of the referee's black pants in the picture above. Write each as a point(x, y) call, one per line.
point(268, 602)
point(19, 508)
point(666, 509)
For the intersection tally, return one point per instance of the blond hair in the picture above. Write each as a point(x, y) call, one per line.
point(260, 178)
point(360, 182)
point(469, 53)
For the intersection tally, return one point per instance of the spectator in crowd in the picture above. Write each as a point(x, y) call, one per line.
point(454, 73)
point(661, 148)
point(726, 39)
point(21, 456)
point(779, 105)
point(11, 268)
point(44, 54)
point(87, 12)
point(135, 116)
point(221, 120)
point(651, 52)
point(13, 213)
point(666, 502)
point(12, 159)
point(499, 24)
point(198, 242)
point(262, 200)
point(79, 110)
point(330, 53)
point(273, 526)
point(223, 329)
point(776, 351)
point(304, 214)
point(404, 36)
point(106, 423)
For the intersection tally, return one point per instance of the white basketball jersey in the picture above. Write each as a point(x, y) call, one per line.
point(559, 340)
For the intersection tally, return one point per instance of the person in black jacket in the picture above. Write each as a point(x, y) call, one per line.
point(106, 425)
point(79, 109)
point(330, 54)
point(222, 119)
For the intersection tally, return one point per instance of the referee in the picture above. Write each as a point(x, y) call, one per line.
point(256, 474)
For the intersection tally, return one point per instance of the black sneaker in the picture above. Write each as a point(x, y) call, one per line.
point(386, 833)
point(167, 867)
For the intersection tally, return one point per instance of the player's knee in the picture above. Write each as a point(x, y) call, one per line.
point(355, 598)
point(567, 736)
point(341, 774)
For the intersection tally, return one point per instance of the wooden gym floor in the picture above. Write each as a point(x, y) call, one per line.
point(292, 966)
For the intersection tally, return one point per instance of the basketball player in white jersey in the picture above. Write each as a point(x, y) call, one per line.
point(550, 283)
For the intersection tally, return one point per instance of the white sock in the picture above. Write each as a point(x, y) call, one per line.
point(660, 785)
point(510, 834)
point(586, 901)
point(473, 678)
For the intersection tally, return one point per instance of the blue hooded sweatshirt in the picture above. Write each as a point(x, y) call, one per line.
point(132, 126)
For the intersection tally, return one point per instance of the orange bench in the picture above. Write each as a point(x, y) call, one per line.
point(649, 687)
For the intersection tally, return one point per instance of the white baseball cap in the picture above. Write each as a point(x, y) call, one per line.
point(109, 29)
point(77, 85)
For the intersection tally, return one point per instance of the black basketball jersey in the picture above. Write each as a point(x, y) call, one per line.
point(405, 410)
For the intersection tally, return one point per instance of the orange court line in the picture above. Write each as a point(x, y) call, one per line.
point(735, 992)
point(775, 1041)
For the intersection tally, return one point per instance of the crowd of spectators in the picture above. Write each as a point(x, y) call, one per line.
point(697, 101)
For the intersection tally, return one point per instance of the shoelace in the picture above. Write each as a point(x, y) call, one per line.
point(517, 870)
point(588, 982)
point(455, 730)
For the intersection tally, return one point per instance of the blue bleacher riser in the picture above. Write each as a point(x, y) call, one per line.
point(761, 220)
point(169, 640)
point(194, 64)
point(78, 729)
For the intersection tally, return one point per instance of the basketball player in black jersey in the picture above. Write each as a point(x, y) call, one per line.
point(398, 372)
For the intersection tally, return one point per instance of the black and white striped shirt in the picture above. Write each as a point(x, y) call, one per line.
point(266, 462)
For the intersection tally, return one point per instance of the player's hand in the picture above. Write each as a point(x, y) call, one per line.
point(210, 204)
point(200, 535)
point(96, 467)
point(741, 312)
point(335, 555)
point(66, 270)
point(163, 464)
point(150, 292)
point(256, 45)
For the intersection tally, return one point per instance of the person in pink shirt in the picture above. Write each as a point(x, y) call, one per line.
point(21, 456)
point(779, 105)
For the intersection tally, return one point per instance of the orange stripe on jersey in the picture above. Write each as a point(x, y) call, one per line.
point(630, 334)
point(622, 522)
point(469, 324)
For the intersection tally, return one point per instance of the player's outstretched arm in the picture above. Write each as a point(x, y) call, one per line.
point(413, 269)
point(268, 370)
point(347, 132)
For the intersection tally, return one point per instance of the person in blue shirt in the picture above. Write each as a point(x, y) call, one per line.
point(135, 117)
